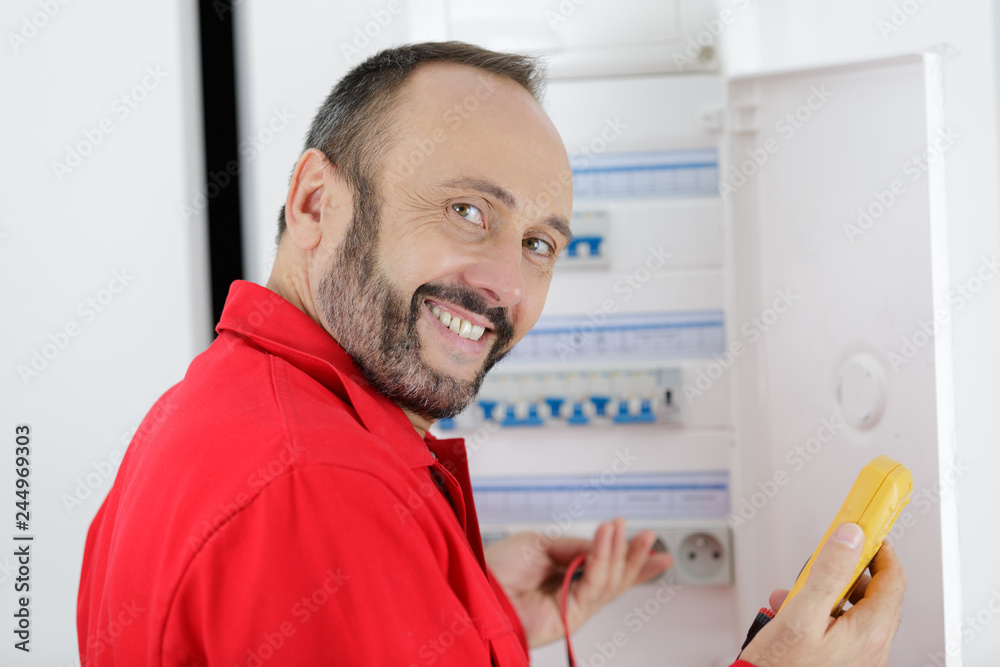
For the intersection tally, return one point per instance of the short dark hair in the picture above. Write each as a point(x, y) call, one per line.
point(353, 127)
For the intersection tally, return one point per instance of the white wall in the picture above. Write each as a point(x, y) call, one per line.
point(63, 237)
point(780, 34)
point(289, 56)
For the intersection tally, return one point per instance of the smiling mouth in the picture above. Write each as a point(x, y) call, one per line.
point(458, 326)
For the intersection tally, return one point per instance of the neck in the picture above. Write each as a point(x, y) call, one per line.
point(293, 286)
point(420, 424)
point(291, 281)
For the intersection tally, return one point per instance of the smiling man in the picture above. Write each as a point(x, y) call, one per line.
point(284, 503)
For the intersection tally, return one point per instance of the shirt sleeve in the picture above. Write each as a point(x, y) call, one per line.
point(741, 663)
point(510, 611)
point(319, 569)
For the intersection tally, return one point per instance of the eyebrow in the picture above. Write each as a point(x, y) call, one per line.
point(557, 222)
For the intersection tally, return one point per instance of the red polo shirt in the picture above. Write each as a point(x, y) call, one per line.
point(272, 509)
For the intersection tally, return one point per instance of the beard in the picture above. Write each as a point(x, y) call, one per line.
point(358, 300)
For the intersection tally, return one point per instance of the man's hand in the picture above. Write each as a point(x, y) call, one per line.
point(530, 568)
point(804, 633)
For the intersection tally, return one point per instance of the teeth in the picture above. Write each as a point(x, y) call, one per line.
point(463, 328)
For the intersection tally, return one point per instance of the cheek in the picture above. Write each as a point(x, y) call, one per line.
point(412, 269)
point(529, 310)
point(421, 257)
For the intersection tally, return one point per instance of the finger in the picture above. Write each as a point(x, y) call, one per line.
point(777, 598)
point(597, 566)
point(885, 559)
point(641, 563)
point(883, 597)
point(619, 553)
point(564, 549)
point(830, 573)
point(654, 567)
point(859, 590)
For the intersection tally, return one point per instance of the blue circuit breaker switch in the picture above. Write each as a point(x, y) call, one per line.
point(589, 247)
point(530, 418)
point(533, 419)
point(488, 408)
point(555, 406)
point(623, 416)
point(578, 418)
point(601, 404)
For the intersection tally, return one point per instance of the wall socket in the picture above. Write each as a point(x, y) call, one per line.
point(702, 551)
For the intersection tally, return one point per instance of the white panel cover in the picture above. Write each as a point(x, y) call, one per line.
point(833, 182)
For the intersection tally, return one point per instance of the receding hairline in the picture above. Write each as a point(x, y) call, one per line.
point(390, 120)
point(358, 124)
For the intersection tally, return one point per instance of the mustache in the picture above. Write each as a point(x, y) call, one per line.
point(467, 298)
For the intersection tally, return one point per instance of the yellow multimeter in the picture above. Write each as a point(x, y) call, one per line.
point(879, 494)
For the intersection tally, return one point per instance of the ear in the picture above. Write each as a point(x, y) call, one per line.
point(304, 201)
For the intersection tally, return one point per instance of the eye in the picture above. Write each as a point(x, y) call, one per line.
point(539, 246)
point(469, 212)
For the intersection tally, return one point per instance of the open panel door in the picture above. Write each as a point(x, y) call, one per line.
point(834, 189)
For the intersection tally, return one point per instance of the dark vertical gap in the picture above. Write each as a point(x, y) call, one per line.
point(222, 167)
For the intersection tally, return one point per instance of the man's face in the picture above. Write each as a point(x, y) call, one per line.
point(475, 202)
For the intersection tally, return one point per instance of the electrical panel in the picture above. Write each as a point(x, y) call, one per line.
point(575, 397)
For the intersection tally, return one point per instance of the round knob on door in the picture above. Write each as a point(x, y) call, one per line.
point(861, 391)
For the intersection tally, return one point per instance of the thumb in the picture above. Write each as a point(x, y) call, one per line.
point(831, 572)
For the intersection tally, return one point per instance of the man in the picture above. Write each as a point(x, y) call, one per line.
point(285, 504)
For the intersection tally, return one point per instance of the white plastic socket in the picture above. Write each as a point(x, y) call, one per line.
point(703, 552)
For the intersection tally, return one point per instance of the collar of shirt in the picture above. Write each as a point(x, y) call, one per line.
point(282, 329)
point(277, 326)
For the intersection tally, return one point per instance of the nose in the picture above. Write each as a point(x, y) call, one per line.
point(496, 272)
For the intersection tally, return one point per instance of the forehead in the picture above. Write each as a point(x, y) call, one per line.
point(458, 122)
